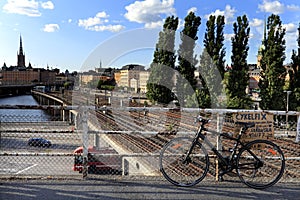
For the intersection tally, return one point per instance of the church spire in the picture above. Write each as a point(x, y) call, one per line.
point(262, 47)
point(21, 47)
point(265, 31)
point(21, 56)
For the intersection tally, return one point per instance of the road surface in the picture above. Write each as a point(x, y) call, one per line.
point(139, 188)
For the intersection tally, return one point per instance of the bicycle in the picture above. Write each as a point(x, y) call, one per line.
point(184, 161)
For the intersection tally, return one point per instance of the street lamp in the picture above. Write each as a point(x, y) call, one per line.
point(287, 106)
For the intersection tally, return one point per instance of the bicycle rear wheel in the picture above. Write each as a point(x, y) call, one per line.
point(181, 171)
point(256, 174)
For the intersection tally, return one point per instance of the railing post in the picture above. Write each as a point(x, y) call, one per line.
point(298, 130)
point(219, 142)
point(83, 118)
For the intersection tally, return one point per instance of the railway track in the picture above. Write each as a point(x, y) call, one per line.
point(167, 124)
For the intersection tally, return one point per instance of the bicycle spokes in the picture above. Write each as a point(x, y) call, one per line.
point(260, 164)
point(182, 165)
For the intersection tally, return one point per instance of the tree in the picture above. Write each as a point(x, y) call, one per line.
point(294, 81)
point(159, 85)
point(238, 77)
point(186, 58)
point(212, 63)
point(206, 79)
point(273, 72)
point(214, 41)
point(106, 84)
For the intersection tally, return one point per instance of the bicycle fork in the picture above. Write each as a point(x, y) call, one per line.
point(187, 159)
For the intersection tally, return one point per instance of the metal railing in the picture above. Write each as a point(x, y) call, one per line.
point(125, 140)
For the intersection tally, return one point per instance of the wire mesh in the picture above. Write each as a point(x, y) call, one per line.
point(33, 143)
point(121, 142)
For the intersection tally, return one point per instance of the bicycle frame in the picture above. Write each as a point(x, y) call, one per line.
point(229, 163)
point(189, 157)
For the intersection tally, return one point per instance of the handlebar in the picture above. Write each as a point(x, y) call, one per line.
point(201, 119)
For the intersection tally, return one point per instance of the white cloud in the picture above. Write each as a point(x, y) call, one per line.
point(47, 5)
point(256, 22)
point(22, 7)
point(290, 28)
point(98, 23)
point(149, 12)
point(228, 13)
point(193, 9)
point(272, 7)
point(153, 25)
point(256, 28)
point(102, 15)
point(111, 28)
point(51, 28)
point(276, 7)
point(291, 43)
point(228, 36)
point(92, 21)
point(26, 7)
point(293, 7)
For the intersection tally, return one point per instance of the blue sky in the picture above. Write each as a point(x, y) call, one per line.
point(79, 34)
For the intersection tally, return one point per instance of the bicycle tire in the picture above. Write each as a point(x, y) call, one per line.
point(271, 169)
point(175, 170)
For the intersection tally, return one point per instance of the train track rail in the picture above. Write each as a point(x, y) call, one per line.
point(167, 124)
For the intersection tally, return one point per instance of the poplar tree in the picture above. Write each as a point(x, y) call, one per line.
point(214, 41)
point(273, 72)
point(294, 81)
point(160, 84)
point(186, 58)
point(212, 62)
point(238, 76)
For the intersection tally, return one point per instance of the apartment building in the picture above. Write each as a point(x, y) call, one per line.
point(134, 77)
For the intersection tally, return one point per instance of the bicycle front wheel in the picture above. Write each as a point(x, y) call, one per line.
point(180, 169)
point(260, 164)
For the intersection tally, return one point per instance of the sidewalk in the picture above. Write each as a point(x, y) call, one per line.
point(138, 188)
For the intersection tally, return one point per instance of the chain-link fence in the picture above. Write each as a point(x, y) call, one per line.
point(36, 145)
point(118, 142)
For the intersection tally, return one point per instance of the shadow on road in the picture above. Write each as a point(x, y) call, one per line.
point(138, 188)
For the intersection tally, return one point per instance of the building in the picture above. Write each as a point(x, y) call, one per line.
point(17, 77)
point(134, 77)
point(104, 74)
point(22, 75)
point(254, 77)
point(144, 76)
point(117, 76)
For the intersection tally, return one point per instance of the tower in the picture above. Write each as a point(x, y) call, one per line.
point(262, 46)
point(21, 55)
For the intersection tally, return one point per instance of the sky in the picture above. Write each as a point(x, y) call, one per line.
point(79, 35)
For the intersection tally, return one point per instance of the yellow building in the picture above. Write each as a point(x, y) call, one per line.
point(134, 77)
point(144, 76)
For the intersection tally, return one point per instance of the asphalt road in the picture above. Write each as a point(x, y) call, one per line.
point(36, 165)
point(138, 188)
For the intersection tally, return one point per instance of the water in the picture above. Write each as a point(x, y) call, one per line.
point(22, 115)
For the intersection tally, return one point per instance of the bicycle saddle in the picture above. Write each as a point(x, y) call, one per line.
point(246, 124)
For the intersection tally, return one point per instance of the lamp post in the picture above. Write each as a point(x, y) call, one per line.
point(287, 107)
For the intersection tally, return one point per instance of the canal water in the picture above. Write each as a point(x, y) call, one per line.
point(22, 115)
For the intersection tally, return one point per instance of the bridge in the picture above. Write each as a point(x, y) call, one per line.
point(135, 133)
point(6, 90)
